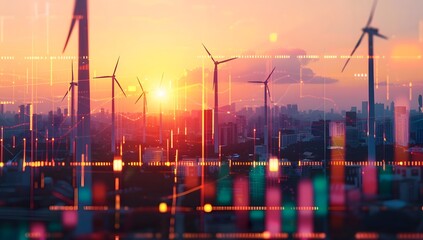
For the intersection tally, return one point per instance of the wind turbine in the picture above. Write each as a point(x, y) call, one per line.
point(266, 130)
point(83, 137)
point(216, 99)
point(114, 79)
point(72, 90)
point(371, 32)
point(144, 95)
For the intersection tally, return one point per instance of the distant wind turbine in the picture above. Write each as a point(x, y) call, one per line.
point(371, 32)
point(114, 79)
point(266, 130)
point(216, 99)
point(72, 115)
point(144, 95)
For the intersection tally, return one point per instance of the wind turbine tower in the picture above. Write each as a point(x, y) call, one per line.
point(114, 79)
point(266, 129)
point(144, 95)
point(72, 114)
point(216, 99)
point(371, 32)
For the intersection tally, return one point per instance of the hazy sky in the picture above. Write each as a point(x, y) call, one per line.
point(153, 37)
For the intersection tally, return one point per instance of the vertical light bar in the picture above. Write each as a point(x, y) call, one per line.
point(82, 170)
point(241, 200)
point(120, 149)
point(273, 198)
point(305, 204)
point(273, 214)
point(171, 138)
point(140, 155)
point(52, 149)
point(31, 122)
point(176, 167)
point(24, 155)
point(117, 208)
point(279, 143)
point(36, 148)
point(337, 185)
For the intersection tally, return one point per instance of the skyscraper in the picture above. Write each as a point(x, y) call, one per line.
point(365, 109)
point(401, 126)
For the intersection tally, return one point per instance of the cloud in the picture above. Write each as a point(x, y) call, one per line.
point(288, 63)
point(321, 80)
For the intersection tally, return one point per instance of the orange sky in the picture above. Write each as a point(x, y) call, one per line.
point(153, 37)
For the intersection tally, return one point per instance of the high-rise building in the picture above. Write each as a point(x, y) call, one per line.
point(392, 108)
point(379, 110)
point(389, 131)
point(21, 114)
point(208, 126)
point(351, 119)
point(292, 109)
point(401, 126)
point(336, 129)
point(365, 109)
point(228, 134)
point(351, 130)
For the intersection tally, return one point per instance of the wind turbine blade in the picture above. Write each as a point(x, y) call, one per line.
point(119, 86)
point(371, 13)
point(268, 91)
point(381, 36)
point(139, 98)
point(104, 77)
point(74, 18)
point(117, 63)
point(267, 79)
point(142, 89)
point(353, 51)
point(255, 82)
point(70, 33)
point(209, 53)
point(227, 60)
point(161, 81)
point(65, 94)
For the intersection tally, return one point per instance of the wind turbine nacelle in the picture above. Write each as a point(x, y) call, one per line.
point(370, 30)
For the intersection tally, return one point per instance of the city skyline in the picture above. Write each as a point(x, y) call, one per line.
point(261, 43)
